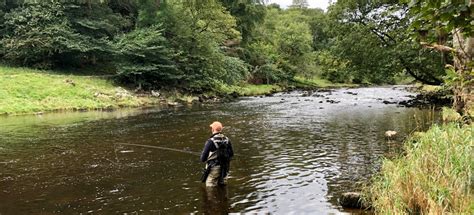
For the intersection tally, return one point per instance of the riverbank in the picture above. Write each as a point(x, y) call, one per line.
point(434, 176)
point(30, 91)
point(429, 96)
point(26, 91)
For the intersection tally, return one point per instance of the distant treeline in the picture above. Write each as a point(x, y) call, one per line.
point(197, 45)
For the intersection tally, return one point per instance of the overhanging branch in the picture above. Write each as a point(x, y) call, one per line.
point(437, 47)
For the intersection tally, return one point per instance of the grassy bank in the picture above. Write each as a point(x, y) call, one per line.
point(298, 83)
point(433, 177)
point(29, 91)
point(316, 82)
point(251, 89)
point(26, 91)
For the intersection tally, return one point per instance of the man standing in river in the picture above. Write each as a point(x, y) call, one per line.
point(217, 154)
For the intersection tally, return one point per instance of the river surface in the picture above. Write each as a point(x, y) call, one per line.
point(295, 155)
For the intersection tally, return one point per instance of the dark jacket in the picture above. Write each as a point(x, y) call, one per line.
point(210, 147)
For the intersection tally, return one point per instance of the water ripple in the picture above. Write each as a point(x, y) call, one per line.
point(295, 155)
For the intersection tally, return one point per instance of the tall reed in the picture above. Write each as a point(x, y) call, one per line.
point(434, 176)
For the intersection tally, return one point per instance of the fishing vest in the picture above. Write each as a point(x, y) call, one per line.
point(217, 140)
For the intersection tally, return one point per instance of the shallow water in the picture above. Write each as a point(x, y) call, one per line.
point(295, 154)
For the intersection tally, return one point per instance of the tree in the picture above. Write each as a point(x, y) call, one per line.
point(198, 31)
point(282, 47)
point(274, 6)
point(148, 12)
point(144, 59)
point(41, 35)
point(63, 34)
point(248, 13)
point(2, 14)
point(318, 21)
point(387, 21)
point(435, 21)
point(293, 39)
point(301, 4)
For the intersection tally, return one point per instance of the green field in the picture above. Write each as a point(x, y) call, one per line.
point(24, 91)
point(298, 82)
point(27, 91)
point(319, 82)
point(250, 89)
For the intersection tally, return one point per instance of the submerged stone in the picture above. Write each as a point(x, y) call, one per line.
point(352, 200)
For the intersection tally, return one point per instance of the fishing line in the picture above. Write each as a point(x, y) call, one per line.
point(160, 147)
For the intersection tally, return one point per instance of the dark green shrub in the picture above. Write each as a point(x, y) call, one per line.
point(144, 59)
point(41, 35)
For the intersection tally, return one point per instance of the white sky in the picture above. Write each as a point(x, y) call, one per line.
point(323, 4)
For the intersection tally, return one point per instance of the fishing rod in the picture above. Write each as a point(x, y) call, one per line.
point(160, 147)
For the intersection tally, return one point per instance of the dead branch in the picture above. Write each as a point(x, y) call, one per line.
point(437, 47)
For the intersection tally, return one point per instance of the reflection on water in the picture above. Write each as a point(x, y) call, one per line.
point(295, 154)
point(215, 200)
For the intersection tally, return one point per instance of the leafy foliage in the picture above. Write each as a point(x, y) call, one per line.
point(440, 22)
point(40, 35)
point(375, 40)
point(282, 47)
point(197, 31)
point(248, 13)
point(198, 45)
point(145, 59)
point(300, 4)
point(436, 18)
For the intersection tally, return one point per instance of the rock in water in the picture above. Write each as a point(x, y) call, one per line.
point(390, 134)
point(351, 200)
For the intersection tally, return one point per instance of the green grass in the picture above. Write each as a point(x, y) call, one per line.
point(434, 177)
point(450, 115)
point(426, 88)
point(24, 91)
point(262, 89)
point(403, 79)
point(318, 82)
point(250, 89)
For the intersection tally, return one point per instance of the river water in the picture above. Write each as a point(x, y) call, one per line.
point(295, 155)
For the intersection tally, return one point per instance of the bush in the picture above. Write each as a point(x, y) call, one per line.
point(144, 59)
point(40, 35)
point(234, 70)
point(34, 34)
point(333, 68)
point(268, 74)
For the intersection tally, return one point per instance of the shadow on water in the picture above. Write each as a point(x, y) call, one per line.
point(295, 155)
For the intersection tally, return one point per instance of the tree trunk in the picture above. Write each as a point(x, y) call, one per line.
point(463, 88)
